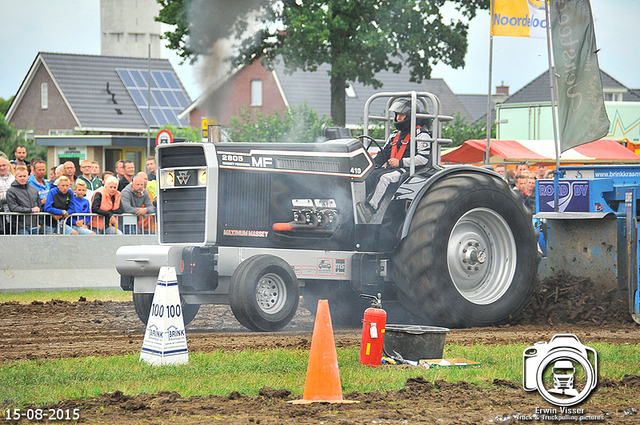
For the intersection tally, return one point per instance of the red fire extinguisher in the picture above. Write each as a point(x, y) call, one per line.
point(373, 325)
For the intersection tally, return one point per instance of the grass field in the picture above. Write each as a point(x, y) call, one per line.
point(46, 381)
point(71, 296)
point(40, 382)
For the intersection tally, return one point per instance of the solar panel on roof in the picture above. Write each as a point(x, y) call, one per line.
point(154, 121)
point(159, 97)
point(173, 83)
point(126, 78)
point(171, 114)
point(146, 79)
point(182, 100)
point(171, 99)
point(140, 82)
point(138, 99)
point(167, 97)
point(160, 118)
point(157, 75)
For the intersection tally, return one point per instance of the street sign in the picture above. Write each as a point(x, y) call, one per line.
point(205, 130)
point(164, 137)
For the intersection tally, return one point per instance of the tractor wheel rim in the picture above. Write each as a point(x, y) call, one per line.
point(481, 256)
point(271, 293)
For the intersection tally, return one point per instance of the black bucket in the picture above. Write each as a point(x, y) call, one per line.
point(415, 342)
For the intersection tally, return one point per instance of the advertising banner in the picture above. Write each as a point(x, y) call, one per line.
point(580, 99)
point(518, 18)
point(573, 196)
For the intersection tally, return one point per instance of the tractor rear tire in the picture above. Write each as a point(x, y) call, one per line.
point(264, 293)
point(142, 304)
point(470, 257)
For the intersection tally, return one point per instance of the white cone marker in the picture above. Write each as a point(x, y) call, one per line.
point(165, 340)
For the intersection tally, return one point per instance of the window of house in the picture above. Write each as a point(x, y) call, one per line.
point(53, 132)
point(44, 95)
point(614, 97)
point(256, 93)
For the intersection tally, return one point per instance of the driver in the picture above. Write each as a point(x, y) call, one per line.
point(394, 158)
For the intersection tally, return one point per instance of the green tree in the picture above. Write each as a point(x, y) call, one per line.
point(300, 125)
point(460, 130)
point(4, 104)
point(174, 12)
point(7, 135)
point(10, 138)
point(189, 134)
point(357, 38)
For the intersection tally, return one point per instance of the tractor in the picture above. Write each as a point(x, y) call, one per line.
point(260, 226)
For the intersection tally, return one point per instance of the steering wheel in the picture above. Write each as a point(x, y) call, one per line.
point(371, 140)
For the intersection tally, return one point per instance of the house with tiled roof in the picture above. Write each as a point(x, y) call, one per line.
point(268, 91)
point(97, 107)
point(314, 88)
point(526, 114)
point(633, 95)
point(538, 90)
point(476, 104)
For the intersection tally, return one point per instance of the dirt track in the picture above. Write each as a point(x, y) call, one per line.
point(61, 329)
point(58, 329)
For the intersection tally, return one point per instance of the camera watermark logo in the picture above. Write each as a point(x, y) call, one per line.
point(564, 371)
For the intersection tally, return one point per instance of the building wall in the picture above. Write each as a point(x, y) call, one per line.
point(195, 117)
point(30, 115)
point(128, 27)
point(52, 161)
point(225, 102)
point(533, 121)
point(94, 153)
point(524, 121)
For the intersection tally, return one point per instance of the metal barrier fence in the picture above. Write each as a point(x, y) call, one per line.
point(12, 223)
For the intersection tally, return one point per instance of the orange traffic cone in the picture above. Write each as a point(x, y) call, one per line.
point(323, 377)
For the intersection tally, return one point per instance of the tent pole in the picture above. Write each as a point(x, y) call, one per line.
point(552, 83)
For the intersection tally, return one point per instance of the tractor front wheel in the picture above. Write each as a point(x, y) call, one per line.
point(264, 293)
point(142, 304)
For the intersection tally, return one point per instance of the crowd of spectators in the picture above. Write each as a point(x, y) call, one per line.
point(522, 180)
point(65, 197)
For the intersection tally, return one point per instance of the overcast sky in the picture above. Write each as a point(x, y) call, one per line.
point(71, 26)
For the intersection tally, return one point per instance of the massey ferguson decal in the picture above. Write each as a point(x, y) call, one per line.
point(183, 177)
point(243, 160)
point(246, 233)
point(186, 178)
point(346, 164)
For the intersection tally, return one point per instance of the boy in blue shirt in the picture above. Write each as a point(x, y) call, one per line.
point(59, 205)
point(81, 205)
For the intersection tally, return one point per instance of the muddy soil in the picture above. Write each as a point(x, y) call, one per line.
point(58, 329)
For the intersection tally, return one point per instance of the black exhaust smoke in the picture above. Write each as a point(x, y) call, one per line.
point(216, 28)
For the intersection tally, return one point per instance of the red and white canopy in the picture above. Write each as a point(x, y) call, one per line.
point(539, 152)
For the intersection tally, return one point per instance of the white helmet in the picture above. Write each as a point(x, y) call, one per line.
point(403, 106)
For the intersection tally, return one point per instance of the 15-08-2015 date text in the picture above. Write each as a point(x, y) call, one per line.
point(42, 414)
